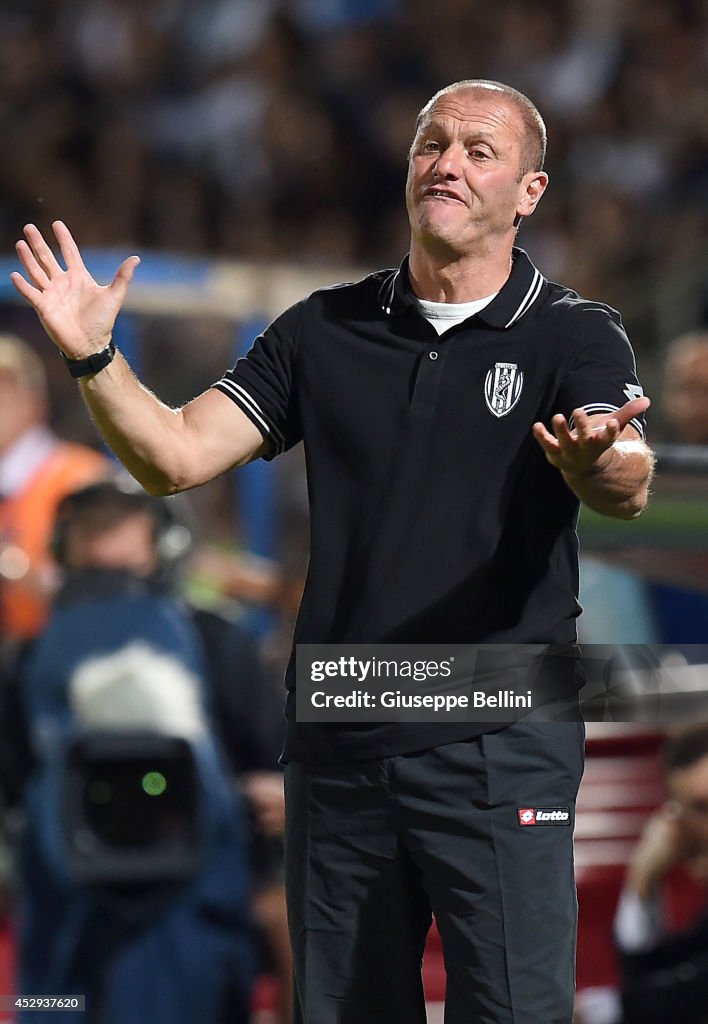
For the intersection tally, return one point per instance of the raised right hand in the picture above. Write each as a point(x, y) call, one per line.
point(77, 313)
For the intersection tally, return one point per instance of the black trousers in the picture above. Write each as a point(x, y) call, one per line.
point(374, 848)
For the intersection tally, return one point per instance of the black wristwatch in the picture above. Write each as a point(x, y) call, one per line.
point(92, 363)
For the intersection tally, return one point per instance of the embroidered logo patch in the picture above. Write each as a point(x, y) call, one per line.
point(543, 815)
point(502, 388)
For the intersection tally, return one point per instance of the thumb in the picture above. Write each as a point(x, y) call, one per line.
point(635, 407)
point(124, 275)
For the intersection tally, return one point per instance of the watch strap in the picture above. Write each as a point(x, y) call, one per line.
point(92, 363)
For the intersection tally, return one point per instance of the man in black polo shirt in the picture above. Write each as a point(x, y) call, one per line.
point(454, 412)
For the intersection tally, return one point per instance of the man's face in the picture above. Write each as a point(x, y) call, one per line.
point(19, 410)
point(464, 189)
point(128, 544)
point(686, 397)
point(689, 790)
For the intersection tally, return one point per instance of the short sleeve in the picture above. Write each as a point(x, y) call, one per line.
point(602, 374)
point(262, 383)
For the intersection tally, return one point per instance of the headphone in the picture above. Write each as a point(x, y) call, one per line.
point(172, 537)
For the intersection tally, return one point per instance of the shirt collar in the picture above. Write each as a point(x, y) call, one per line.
point(517, 296)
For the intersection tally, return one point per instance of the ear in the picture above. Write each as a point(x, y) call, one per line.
point(531, 188)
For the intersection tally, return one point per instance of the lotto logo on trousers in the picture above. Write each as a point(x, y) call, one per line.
point(543, 815)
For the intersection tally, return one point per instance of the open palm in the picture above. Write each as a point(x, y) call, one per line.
point(576, 450)
point(77, 313)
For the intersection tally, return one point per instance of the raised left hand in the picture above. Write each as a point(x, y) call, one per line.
point(576, 451)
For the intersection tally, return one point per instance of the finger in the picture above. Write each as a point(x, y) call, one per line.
point(562, 430)
point(124, 275)
point(546, 440)
point(638, 405)
point(26, 257)
point(69, 248)
point(604, 432)
point(628, 412)
point(43, 254)
point(25, 288)
point(599, 430)
point(540, 433)
point(607, 430)
point(612, 429)
point(631, 410)
point(581, 424)
point(589, 428)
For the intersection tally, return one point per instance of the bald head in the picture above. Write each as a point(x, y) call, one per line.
point(534, 142)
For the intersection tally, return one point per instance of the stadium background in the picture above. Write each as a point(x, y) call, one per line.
point(251, 150)
point(262, 145)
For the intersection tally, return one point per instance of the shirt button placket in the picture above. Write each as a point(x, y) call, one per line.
point(427, 384)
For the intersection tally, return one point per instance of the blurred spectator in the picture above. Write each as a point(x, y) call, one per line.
point(686, 388)
point(679, 587)
point(36, 471)
point(659, 594)
point(663, 970)
point(118, 631)
point(231, 126)
point(664, 974)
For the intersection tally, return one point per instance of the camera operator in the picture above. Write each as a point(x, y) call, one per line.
point(181, 951)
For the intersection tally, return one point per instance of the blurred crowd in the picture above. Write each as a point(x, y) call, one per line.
point(279, 128)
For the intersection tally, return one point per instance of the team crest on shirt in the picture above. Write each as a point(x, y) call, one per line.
point(502, 388)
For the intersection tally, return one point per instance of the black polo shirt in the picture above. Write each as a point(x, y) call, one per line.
point(435, 516)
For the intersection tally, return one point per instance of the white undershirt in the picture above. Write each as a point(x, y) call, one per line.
point(444, 315)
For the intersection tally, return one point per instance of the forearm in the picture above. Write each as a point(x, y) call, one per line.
point(617, 484)
point(169, 450)
point(143, 432)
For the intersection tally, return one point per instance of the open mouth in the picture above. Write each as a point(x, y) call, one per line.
point(435, 193)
